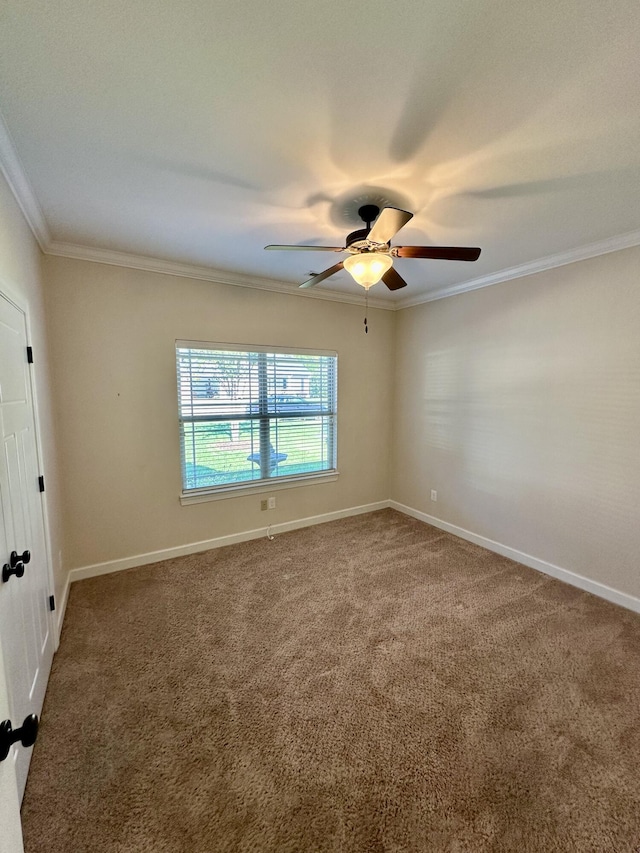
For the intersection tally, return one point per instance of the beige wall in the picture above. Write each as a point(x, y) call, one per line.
point(520, 404)
point(113, 345)
point(21, 278)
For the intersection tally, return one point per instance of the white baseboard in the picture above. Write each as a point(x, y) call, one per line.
point(602, 590)
point(61, 607)
point(599, 589)
point(206, 545)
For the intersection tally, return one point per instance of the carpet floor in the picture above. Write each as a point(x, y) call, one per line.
point(371, 684)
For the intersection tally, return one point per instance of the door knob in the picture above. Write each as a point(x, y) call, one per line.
point(26, 734)
point(16, 558)
point(7, 571)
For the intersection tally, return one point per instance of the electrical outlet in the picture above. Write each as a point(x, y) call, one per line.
point(272, 503)
point(263, 505)
point(434, 495)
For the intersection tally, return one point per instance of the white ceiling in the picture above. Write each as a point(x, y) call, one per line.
point(199, 131)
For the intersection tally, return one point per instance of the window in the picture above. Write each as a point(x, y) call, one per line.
point(250, 416)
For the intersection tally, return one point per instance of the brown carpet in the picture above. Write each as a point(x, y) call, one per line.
point(372, 684)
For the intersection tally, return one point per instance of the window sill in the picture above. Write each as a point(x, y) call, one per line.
point(237, 491)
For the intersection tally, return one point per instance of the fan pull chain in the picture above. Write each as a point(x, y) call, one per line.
point(366, 310)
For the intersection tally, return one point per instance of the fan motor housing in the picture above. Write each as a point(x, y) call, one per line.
point(358, 236)
point(358, 241)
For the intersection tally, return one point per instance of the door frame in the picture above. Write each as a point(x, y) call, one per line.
point(22, 305)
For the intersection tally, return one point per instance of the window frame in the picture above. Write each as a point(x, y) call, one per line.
point(227, 490)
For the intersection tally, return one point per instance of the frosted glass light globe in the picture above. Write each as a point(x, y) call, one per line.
point(367, 268)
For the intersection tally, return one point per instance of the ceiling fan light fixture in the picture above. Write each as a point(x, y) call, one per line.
point(370, 256)
point(367, 268)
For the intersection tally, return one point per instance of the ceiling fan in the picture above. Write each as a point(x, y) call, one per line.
point(371, 254)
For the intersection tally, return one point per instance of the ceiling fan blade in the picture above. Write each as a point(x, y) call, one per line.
point(393, 279)
point(308, 248)
point(438, 253)
point(322, 275)
point(390, 220)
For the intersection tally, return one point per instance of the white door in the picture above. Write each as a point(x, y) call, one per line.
point(10, 829)
point(26, 634)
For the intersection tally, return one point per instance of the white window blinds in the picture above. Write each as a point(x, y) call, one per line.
point(251, 415)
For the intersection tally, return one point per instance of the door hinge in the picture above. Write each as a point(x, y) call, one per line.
point(41, 483)
point(30, 355)
point(52, 602)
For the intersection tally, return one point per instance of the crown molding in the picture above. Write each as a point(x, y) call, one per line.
point(15, 175)
point(148, 264)
point(581, 253)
